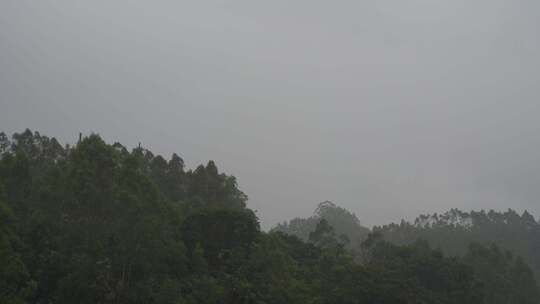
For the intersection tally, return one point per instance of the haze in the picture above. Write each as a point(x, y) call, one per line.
point(388, 108)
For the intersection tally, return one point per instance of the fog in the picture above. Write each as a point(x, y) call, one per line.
point(389, 108)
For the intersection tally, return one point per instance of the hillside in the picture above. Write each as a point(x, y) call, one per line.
point(97, 223)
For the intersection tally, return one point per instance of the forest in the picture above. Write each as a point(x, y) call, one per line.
point(97, 223)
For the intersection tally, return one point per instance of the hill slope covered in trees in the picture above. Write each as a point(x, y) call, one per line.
point(513, 239)
point(96, 223)
point(502, 248)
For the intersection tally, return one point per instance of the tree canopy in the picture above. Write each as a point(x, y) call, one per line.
point(97, 223)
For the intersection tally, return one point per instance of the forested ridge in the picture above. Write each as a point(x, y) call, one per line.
point(97, 223)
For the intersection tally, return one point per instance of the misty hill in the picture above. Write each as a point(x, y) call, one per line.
point(509, 240)
point(343, 222)
point(97, 223)
point(454, 230)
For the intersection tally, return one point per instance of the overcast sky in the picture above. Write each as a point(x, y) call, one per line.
point(389, 108)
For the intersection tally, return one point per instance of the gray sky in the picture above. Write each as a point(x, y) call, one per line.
point(389, 108)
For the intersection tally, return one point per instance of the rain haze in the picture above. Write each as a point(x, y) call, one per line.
point(388, 108)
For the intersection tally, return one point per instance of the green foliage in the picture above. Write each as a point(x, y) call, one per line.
point(418, 274)
point(507, 278)
point(220, 233)
point(96, 223)
point(15, 280)
point(459, 233)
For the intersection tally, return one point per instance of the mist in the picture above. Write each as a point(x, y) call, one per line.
point(388, 108)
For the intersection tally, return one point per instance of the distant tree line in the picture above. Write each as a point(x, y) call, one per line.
point(503, 249)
